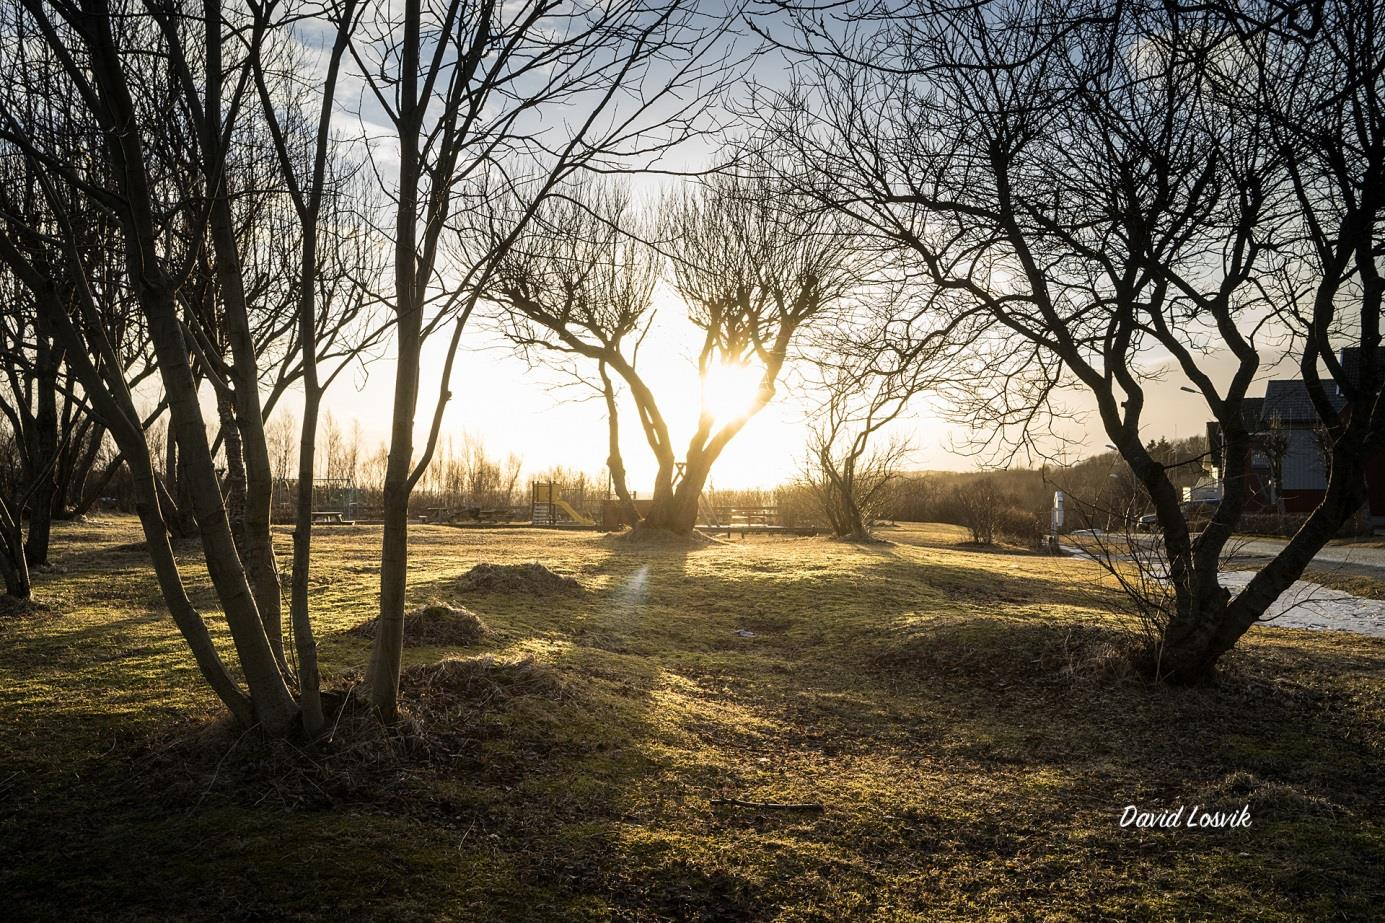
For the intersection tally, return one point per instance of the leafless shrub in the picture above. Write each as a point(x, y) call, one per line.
point(981, 503)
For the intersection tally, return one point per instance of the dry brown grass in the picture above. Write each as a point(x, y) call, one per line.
point(532, 579)
point(435, 625)
point(958, 713)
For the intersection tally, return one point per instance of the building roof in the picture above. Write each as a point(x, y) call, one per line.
point(1288, 400)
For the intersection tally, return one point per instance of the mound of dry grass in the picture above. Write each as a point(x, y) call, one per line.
point(359, 760)
point(1022, 653)
point(435, 625)
point(532, 578)
point(437, 687)
point(1279, 800)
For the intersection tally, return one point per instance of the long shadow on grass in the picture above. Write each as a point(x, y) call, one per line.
point(957, 747)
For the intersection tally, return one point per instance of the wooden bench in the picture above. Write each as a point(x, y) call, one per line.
point(330, 518)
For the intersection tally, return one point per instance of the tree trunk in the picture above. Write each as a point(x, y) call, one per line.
point(614, 461)
point(12, 564)
point(848, 521)
point(44, 452)
point(305, 641)
point(410, 278)
point(382, 675)
point(176, 498)
point(257, 537)
point(1186, 653)
point(1208, 621)
point(853, 524)
point(185, 616)
point(91, 490)
point(36, 546)
point(300, 614)
point(234, 483)
point(275, 708)
point(255, 550)
point(387, 654)
point(676, 509)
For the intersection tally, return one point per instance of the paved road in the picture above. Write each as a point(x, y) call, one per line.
point(1347, 559)
point(1355, 560)
point(1306, 604)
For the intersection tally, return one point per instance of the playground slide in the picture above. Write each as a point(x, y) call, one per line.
point(573, 514)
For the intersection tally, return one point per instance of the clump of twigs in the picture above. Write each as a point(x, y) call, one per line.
point(1088, 656)
point(358, 760)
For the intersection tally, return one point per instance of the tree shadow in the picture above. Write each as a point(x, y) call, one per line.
point(956, 736)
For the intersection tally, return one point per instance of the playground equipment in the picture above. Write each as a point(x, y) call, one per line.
point(548, 507)
point(336, 501)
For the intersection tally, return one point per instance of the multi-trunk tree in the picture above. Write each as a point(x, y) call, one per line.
point(753, 270)
point(158, 138)
point(853, 457)
point(1112, 189)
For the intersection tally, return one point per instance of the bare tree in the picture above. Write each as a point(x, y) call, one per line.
point(752, 270)
point(982, 503)
point(462, 86)
point(755, 268)
point(1098, 187)
point(135, 80)
point(332, 448)
point(282, 433)
point(1274, 442)
point(58, 438)
point(848, 468)
point(580, 283)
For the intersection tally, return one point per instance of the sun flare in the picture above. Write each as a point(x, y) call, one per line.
point(729, 391)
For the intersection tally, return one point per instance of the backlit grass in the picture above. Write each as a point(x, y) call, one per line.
point(960, 714)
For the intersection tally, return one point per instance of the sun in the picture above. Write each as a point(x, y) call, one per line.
point(729, 391)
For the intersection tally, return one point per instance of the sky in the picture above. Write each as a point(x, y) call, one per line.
point(515, 408)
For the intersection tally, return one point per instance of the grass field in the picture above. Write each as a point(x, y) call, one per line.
point(960, 716)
